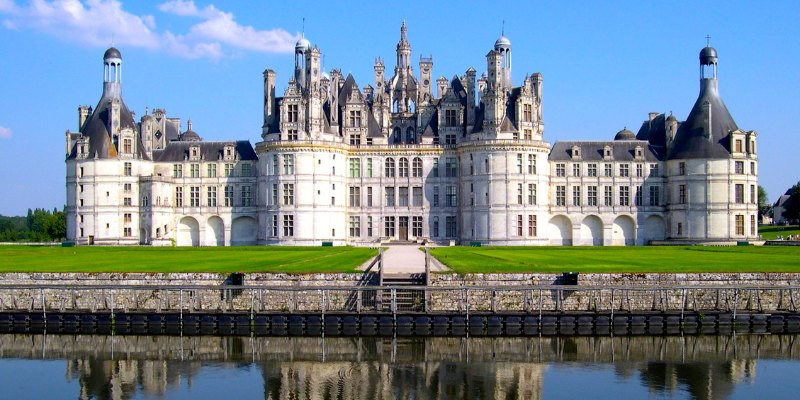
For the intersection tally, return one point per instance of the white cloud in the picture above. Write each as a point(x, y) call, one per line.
point(5, 133)
point(97, 22)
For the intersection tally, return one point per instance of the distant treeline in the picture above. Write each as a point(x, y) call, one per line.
point(39, 225)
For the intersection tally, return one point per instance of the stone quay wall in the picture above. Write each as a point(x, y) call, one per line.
point(447, 293)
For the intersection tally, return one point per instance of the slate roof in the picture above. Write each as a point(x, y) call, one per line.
point(621, 150)
point(96, 129)
point(693, 139)
point(209, 151)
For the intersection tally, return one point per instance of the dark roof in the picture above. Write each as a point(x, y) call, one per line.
point(112, 52)
point(373, 128)
point(593, 151)
point(693, 139)
point(209, 151)
point(625, 134)
point(708, 56)
point(275, 126)
point(479, 114)
point(101, 144)
point(655, 131)
point(347, 90)
point(432, 127)
point(190, 136)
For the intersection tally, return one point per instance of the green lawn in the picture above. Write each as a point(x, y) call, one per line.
point(620, 259)
point(183, 259)
point(770, 232)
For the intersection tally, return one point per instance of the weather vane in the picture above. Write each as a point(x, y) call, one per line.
point(708, 40)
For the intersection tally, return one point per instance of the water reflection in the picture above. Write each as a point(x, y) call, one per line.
point(123, 367)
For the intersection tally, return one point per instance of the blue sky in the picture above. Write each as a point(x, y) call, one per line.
point(605, 66)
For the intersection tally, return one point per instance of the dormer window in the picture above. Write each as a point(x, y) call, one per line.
point(194, 152)
point(638, 152)
point(607, 154)
point(576, 152)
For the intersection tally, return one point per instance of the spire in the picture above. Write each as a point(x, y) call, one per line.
point(403, 49)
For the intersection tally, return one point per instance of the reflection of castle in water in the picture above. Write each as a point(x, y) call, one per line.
point(418, 368)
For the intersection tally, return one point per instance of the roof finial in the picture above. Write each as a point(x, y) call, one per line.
point(708, 41)
point(112, 39)
point(503, 31)
point(304, 26)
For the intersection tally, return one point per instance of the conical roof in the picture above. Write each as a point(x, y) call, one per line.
point(705, 132)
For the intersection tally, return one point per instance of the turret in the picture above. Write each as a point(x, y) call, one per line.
point(112, 73)
point(269, 100)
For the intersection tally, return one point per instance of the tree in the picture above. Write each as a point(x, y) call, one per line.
point(791, 209)
point(763, 202)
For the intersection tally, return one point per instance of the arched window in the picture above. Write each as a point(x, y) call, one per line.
point(396, 135)
point(410, 135)
point(417, 167)
point(403, 167)
point(389, 167)
point(144, 201)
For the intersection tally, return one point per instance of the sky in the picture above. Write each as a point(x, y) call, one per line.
point(605, 66)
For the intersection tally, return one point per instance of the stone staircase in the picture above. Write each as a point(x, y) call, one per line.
point(407, 300)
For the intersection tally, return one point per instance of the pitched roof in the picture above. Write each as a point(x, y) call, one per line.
point(96, 129)
point(209, 151)
point(621, 150)
point(705, 132)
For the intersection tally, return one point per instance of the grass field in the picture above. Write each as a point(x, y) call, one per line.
point(183, 259)
point(620, 259)
point(770, 232)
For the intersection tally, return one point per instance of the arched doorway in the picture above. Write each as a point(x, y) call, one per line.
point(560, 231)
point(188, 232)
point(623, 233)
point(592, 231)
point(243, 231)
point(215, 232)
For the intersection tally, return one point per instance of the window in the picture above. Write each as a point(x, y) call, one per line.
point(752, 168)
point(739, 147)
point(739, 195)
point(369, 226)
point(288, 225)
point(527, 113)
point(369, 196)
point(288, 164)
point(608, 196)
point(291, 134)
point(591, 170)
point(369, 168)
point(531, 163)
point(561, 170)
point(576, 170)
point(274, 225)
point(403, 170)
point(417, 167)
point(127, 146)
point(355, 196)
point(355, 167)
point(436, 167)
point(126, 187)
point(435, 196)
point(740, 225)
point(417, 196)
point(292, 113)
point(388, 227)
point(355, 226)
point(452, 199)
point(274, 194)
point(450, 118)
point(624, 170)
point(228, 169)
point(561, 195)
point(127, 218)
point(487, 166)
point(519, 163)
point(451, 167)
point(194, 170)
point(229, 196)
point(753, 194)
point(753, 225)
point(681, 194)
point(355, 119)
point(638, 196)
point(403, 196)
point(653, 169)
point(288, 194)
point(450, 226)
point(520, 227)
point(607, 170)
point(739, 167)
point(178, 197)
point(681, 168)
point(145, 203)
point(194, 196)
point(390, 196)
point(177, 171)
point(449, 138)
point(531, 194)
point(389, 167)
point(520, 193)
point(211, 198)
point(591, 196)
point(416, 226)
point(624, 196)
point(639, 170)
point(128, 169)
point(247, 200)
point(275, 170)
point(532, 225)
point(247, 170)
point(680, 229)
point(212, 170)
point(435, 227)
point(655, 196)
point(128, 232)
point(576, 195)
